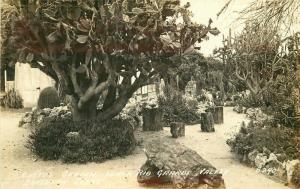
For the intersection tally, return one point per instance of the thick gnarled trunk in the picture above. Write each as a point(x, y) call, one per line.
point(87, 112)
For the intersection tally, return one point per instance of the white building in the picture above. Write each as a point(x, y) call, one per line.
point(28, 82)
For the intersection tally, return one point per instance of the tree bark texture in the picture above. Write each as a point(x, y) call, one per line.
point(207, 122)
point(152, 119)
point(218, 115)
point(177, 129)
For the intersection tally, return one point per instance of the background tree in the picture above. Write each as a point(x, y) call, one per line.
point(8, 11)
point(208, 72)
point(90, 47)
point(281, 13)
point(266, 65)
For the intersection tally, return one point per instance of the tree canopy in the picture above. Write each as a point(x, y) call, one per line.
point(93, 46)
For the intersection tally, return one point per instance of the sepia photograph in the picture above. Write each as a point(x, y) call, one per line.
point(150, 94)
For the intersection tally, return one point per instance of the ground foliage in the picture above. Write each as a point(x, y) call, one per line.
point(260, 136)
point(49, 136)
point(12, 100)
point(8, 12)
point(208, 73)
point(57, 137)
point(266, 65)
point(97, 143)
point(176, 108)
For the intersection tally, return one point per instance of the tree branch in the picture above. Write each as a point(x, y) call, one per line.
point(90, 92)
point(61, 75)
point(45, 69)
point(74, 80)
point(123, 98)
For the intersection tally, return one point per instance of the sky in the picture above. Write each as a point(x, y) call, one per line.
point(203, 10)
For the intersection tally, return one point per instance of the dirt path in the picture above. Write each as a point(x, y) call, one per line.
point(19, 169)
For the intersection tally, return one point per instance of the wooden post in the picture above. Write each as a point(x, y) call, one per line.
point(218, 115)
point(177, 129)
point(152, 119)
point(207, 122)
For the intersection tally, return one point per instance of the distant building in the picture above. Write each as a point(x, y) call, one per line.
point(27, 81)
point(149, 90)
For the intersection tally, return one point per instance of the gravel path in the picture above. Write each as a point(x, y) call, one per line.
point(20, 169)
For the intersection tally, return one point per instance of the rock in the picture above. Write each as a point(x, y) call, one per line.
point(260, 160)
point(39, 118)
point(46, 111)
point(258, 115)
point(273, 163)
point(229, 103)
point(132, 113)
point(267, 152)
point(238, 109)
point(169, 162)
point(293, 173)
point(252, 155)
point(251, 112)
point(281, 157)
point(177, 129)
point(72, 135)
point(281, 173)
point(67, 115)
point(26, 119)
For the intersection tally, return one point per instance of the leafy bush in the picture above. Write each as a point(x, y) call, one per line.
point(12, 100)
point(133, 112)
point(256, 137)
point(177, 109)
point(249, 101)
point(279, 99)
point(97, 142)
point(49, 136)
point(48, 98)
point(81, 142)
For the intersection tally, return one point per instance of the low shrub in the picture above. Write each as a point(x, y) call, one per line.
point(12, 100)
point(48, 138)
point(133, 113)
point(97, 142)
point(59, 137)
point(48, 98)
point(278, 140)
point(175, 108)
point(249, 101)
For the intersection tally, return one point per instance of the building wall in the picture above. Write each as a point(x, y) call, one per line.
point(29, 82)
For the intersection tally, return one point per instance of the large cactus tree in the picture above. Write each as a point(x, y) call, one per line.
point(96, 48)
